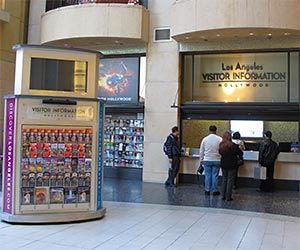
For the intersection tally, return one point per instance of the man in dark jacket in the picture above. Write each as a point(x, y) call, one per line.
point(173, 153)
point(268, 153)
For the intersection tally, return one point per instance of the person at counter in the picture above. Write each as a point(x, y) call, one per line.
point(173, 151)
point(210, 158)
point(268, 152)
point(229, 163)
point(236, 138)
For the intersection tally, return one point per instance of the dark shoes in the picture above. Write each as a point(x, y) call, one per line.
point(223, 198)
point(169, 184)
point(214, 193)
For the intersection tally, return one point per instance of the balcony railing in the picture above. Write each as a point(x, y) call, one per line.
point(54, 4)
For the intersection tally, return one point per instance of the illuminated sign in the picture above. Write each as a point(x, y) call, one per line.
point(259, 77)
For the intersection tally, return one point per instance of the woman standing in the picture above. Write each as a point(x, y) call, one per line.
point(229, 153)
point(236, 138)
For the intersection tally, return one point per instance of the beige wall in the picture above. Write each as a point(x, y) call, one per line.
point(224, 14)
point(11, 33)
point(95, 20)
point(36, 10)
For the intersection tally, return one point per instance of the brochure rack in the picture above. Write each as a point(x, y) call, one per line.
point(53, 158)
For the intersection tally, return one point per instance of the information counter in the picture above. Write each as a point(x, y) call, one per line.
point(287, 165)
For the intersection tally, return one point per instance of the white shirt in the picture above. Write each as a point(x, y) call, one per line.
point(240, 143)
point(209, 148)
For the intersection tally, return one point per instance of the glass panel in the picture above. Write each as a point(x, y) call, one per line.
point(251, 77)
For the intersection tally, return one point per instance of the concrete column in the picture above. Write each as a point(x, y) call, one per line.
point(36, 9)
point(161, 91)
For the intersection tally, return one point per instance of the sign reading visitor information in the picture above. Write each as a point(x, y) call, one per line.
point(241, 77)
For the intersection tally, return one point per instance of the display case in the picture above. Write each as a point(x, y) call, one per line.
point(53, 138)
point(52, 160)
point(124, 142)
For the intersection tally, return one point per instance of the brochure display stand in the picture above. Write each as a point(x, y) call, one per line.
point(53, 163)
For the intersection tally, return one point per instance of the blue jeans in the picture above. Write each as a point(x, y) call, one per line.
point(211, 171)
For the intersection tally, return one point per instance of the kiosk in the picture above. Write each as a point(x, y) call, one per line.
point(53, 138)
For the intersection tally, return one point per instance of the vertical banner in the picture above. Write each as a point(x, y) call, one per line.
point(100, 155)
point(9, 142)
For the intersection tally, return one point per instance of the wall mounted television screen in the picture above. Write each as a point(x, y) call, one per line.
point(248, 129)
point(58, 75)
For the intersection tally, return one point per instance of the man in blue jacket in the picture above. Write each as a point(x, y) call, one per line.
point(268, 153)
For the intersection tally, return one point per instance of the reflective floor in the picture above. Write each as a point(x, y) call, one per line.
point(247, 199)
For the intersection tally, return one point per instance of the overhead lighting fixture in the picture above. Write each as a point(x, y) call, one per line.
point(187, 38)
point(270, 34)
point(251, 33)
point(218, 35)
point(286, 33)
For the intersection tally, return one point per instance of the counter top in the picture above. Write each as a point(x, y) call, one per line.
point(253, 156)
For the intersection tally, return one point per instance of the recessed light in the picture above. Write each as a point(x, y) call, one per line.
point(270, 34)
point(187, 38)
point(218, 35)
point(251, 33)
point(286, 33)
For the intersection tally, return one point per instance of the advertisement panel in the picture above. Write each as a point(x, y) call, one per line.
point(10, 115)
point(119, 80)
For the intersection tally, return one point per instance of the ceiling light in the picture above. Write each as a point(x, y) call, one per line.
point(270, 34)
point(218, 35)
point(251, 34)
point(187, 38)
point(286, 33)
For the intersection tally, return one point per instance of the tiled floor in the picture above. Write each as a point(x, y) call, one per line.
point(203, 223)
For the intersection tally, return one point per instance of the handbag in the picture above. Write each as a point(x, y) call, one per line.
point(240, 161)
point(260, 172)
point(200, 169)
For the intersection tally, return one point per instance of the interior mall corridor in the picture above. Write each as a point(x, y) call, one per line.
point(151, 216)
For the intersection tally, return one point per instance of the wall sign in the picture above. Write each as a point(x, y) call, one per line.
point(64, 112)
point(259, 77)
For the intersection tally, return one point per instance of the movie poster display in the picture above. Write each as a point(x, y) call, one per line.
point(119, 80)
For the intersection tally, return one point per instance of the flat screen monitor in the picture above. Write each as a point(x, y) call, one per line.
point(248, 128)
point(58, 75)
